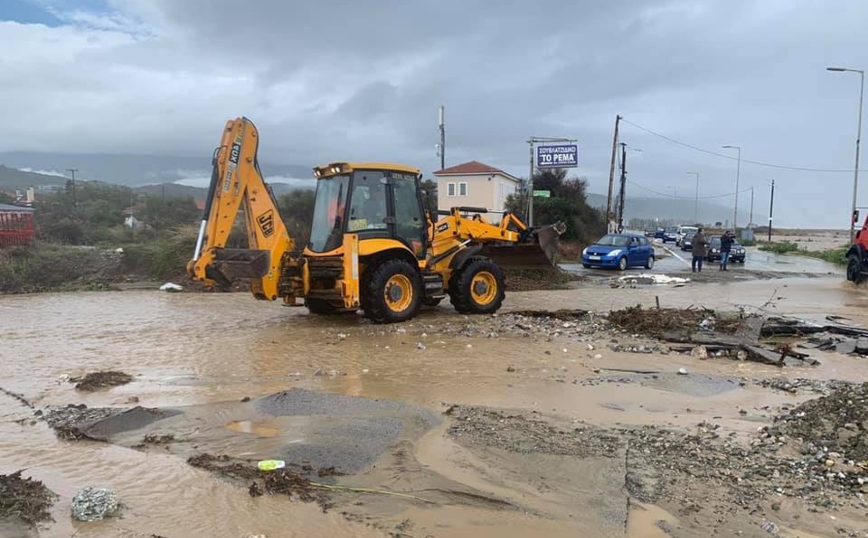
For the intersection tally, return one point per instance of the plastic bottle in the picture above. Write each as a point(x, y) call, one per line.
point(271, 465)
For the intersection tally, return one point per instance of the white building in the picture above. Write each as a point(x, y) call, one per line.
point(474, 184)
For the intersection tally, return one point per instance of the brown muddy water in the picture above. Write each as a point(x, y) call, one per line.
point(197, 349)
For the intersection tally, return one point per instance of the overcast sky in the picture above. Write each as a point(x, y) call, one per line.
point(349, 79)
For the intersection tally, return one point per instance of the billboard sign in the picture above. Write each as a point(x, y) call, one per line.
point(564, 156)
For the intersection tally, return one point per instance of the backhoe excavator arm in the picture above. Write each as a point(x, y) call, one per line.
point(237, 183)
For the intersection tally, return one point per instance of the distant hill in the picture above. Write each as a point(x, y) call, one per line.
point(133, 170)
point(176, 190)
point(11, 179)
point(646, 207)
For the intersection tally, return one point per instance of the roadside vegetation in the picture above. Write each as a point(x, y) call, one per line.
point(100, 235)
point(836, 255)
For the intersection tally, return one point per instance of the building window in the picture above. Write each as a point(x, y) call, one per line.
point(450, 189)
point(462, 189)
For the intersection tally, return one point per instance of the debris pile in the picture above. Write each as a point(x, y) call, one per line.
point(94, 504)
point(280, 481)
point(660, 321)
point(835, 423)
point(25, 499)
point(703, 333)
point(100, 380)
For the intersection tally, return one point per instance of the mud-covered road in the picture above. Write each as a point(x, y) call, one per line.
point(445, 426)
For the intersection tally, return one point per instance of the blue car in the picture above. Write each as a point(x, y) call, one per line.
point(619, 251)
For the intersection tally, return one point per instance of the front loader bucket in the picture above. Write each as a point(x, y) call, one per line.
point(539, 250)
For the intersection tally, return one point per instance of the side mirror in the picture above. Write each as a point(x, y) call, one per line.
point(856, 216)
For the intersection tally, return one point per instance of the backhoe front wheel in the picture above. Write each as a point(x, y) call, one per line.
point(393, 292)
point(854, 269)
point(478, 288)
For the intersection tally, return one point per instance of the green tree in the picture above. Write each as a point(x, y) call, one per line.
point(429, 195)
point(296, 209)
point(165, 213)
point(567, 202)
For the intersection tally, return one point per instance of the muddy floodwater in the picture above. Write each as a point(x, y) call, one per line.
point(220, 361)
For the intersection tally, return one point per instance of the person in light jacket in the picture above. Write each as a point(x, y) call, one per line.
point(698, 245)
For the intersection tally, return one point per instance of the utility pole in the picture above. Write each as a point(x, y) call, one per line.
point(441, 149)
point(74, 200)
point(737, 174)
point(531, 141)
point(696, 202)
point(612, 171)
point(623, 186)
point(771, 208)
point(750, 222)
point(858, 140)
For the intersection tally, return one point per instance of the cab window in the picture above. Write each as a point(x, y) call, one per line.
point(409, 219)
point(368, 202)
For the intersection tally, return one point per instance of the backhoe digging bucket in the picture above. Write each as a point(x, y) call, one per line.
point(539, 250)
point(230, 264)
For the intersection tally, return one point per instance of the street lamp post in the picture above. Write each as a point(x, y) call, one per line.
point(737, 175)
point(858, 138)
point(696, 202)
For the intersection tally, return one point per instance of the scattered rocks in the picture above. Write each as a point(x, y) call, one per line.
point(525, 433)
point(100, 380)
point(837, 422)
point(94, 504)
point(25, 499)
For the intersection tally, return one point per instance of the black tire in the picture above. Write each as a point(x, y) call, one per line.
point(650, 263)
point(854, 269)
point(479, 287)
point(385, 290)
point(320, 307)
point(622, 263)
point(432, 302)
point(586, 265)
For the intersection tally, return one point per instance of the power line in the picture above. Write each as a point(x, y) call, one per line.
point(758, 163)
point(685, 197)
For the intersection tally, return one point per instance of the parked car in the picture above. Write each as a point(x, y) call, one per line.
point(682, 231)
point(736, 253)
point(687, 241)
point(619, 251)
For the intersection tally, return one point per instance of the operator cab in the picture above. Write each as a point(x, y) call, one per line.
point(372, 200)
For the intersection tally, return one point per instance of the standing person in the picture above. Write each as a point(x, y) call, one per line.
point(698, 246)
point(725, 248)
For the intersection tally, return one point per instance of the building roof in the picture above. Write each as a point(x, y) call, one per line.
point(471, 168)
point(15, 208)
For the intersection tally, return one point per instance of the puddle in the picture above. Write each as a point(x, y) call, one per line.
point(247, 426)
point(644, 521)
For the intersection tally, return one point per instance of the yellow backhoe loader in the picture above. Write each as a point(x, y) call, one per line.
point(372, 246)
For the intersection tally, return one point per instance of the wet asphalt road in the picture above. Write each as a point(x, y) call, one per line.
point(671, 260)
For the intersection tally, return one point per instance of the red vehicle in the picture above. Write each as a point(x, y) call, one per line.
point(16, 225)
point(857, 254)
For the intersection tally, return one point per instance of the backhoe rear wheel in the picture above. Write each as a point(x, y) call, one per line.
point(478, 288)
point(393, 292)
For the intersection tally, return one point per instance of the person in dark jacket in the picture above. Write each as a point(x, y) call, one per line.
point(725, 248)
point(698, 247)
